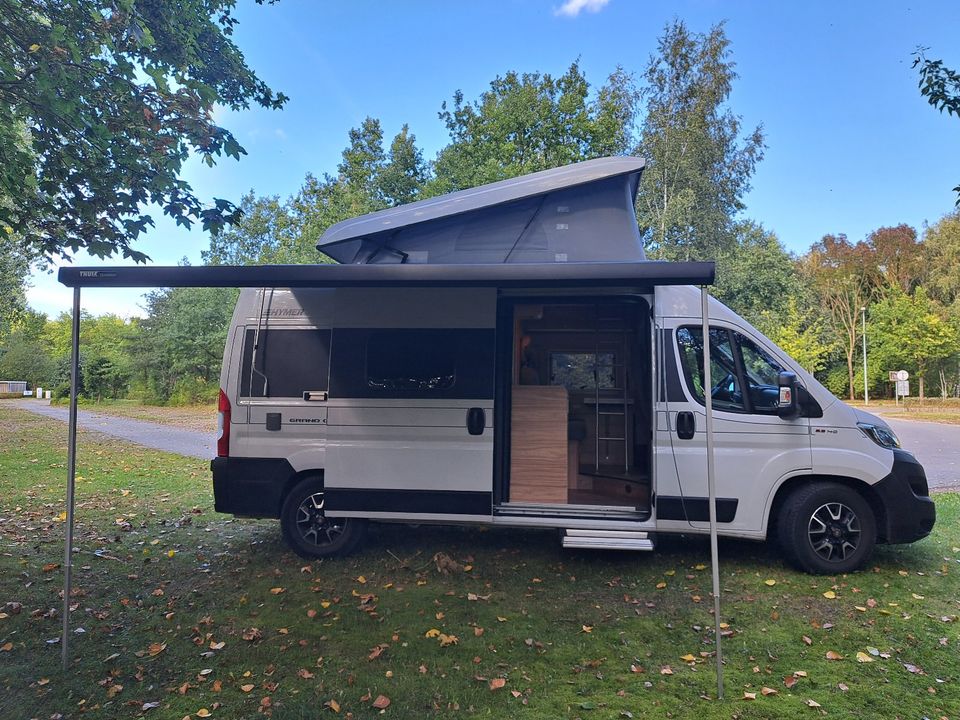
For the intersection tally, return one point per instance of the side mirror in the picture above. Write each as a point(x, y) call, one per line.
point(787, 406)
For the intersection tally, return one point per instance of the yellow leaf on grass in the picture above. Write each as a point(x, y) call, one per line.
point(586, 628)
point(171, 553)
point(333, 705)
point(833, 655)
point(33, 48)
point(700, 566)
point(862, 657)
point(156, 648)
point(431, 633)
point(917, 597)
point(661, 585)
point(688, 658)
point(830, 595)
point(325, 604)
point(203, 712)
point(361, 579)
point(771, 582)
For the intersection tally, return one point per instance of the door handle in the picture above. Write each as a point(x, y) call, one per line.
point(686, 425)
point(476, 421)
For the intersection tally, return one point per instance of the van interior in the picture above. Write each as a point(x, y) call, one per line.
point(580, 404)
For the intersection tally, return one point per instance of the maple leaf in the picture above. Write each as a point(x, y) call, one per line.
point(447, 640)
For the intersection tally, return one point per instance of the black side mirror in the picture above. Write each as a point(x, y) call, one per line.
point(787, 406)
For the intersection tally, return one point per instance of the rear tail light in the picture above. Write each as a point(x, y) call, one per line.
point(223, 425)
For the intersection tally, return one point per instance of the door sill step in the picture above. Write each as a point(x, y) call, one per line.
point(608, 539)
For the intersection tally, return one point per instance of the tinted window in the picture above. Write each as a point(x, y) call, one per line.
point(726, 393)
point(761, 372)
point(418, 361)
point(288, 362)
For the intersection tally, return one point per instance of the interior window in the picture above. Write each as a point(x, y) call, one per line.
point(411, 360)
point(761, 372)
point(583, 370)
point(726, 391)
point(288, 362)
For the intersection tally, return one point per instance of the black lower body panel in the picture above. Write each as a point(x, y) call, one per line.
point(910, 513)
point(250, 487)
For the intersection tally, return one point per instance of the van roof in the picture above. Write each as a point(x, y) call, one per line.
point(580, 212)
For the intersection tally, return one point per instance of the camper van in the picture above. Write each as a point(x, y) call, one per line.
point(507, 356)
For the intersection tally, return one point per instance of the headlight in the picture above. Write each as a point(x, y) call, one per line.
point(881, 435)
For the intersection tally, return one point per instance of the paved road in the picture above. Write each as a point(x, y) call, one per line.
point(152, 435)
point(937, 445)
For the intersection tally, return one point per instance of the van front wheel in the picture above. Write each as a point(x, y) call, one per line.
point(826, 528)
point(307, 529)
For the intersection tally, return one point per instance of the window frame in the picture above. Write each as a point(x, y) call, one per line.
point(247, 370)
point(733, 337)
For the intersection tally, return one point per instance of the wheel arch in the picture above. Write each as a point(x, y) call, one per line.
point(294, 480)
point(788, 486)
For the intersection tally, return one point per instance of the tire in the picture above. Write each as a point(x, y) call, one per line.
point(826, 528)
point(308, 531)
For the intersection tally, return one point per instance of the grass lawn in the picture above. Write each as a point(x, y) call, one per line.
point(185, 612)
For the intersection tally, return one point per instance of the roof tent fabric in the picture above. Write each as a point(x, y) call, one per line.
point(597, 274)
point(578, 213)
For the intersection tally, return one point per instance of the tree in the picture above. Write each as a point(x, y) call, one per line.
point(15, 260)
point(265, 233)
point(529, 122)
point(756, 272)
point(842, 275)
point(113, 97)
point(400, 180)
point(801, 334)
point(898, 255)
point(910, 331)
point(699, 168)
point(941, 245)
point(941, 87)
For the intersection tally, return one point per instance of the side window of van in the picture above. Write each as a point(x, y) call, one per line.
point(287, 363)
point(726, 393)
point(411, 361)
point(760, 375)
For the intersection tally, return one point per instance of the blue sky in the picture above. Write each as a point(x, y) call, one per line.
point(851, 145)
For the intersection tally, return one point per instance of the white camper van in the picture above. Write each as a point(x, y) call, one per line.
point(506, 356)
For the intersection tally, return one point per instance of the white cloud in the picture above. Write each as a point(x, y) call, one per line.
point(572, 8)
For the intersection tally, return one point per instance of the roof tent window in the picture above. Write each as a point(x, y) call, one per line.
point(411, 361)
point(288, 363)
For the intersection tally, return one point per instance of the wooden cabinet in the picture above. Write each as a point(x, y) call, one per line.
point(538, 444)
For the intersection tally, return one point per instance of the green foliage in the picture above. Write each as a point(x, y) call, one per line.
point(180, 348)
point(112, 97)
point(941, 244)
point(529, 122)
point(910, 332)
point(15, 260)
point(755, 274)
point(699, 167)
point(800, 333)
point(941, 87)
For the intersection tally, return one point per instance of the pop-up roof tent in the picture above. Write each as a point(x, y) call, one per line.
point(573, 226)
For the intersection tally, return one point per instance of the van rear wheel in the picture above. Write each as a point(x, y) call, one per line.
point(307, 529)
point(826, 528)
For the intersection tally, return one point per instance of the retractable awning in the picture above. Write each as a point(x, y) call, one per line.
point(534, 275)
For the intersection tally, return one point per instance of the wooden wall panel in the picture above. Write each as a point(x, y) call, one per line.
point(538, 444)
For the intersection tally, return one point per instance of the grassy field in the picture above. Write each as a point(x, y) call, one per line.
point(931, 410)
point(186, 613)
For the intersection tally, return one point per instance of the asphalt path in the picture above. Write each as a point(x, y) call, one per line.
point(936, 445)
point(152, 435)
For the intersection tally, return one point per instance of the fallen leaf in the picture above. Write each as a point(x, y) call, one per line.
point(768, 691)
point(49, 567)
point(333, 705)
point(217, 685)
point(661, 585)
point(586, 628)
point(807, 640)
point(431, 633)
point(447, 640)
point(156, 648)
point(833, 655)
point(6, 647)
point(812, 703)
point(382, 702)
point(247, 688)
point(699, 566)
point(477, 631)
point(917, 597)
point(666, 670)
point(790, 681)
point(749, 695)
point(217, 645)
point(862, 657)
point(771, 582)
point(843, 687)
point(497, 683)
point(114, 690)
point(688, 658)
point(517, 693)
point(362, 580)
point(304, 674)
point(203, 713)
point(277, 590)
point(830, 595)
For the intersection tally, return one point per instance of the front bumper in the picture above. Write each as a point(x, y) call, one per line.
point(909, 511)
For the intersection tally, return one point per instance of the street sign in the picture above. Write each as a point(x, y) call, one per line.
point(892, 375)
point(903, 375)
point(903, 388)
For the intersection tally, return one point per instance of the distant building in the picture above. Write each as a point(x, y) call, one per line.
point(13, 386)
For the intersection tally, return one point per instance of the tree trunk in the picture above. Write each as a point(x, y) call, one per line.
point(921, 389)
point(850, 371)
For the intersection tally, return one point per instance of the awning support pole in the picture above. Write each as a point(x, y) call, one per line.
point(71, 477)
point(711, 487)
